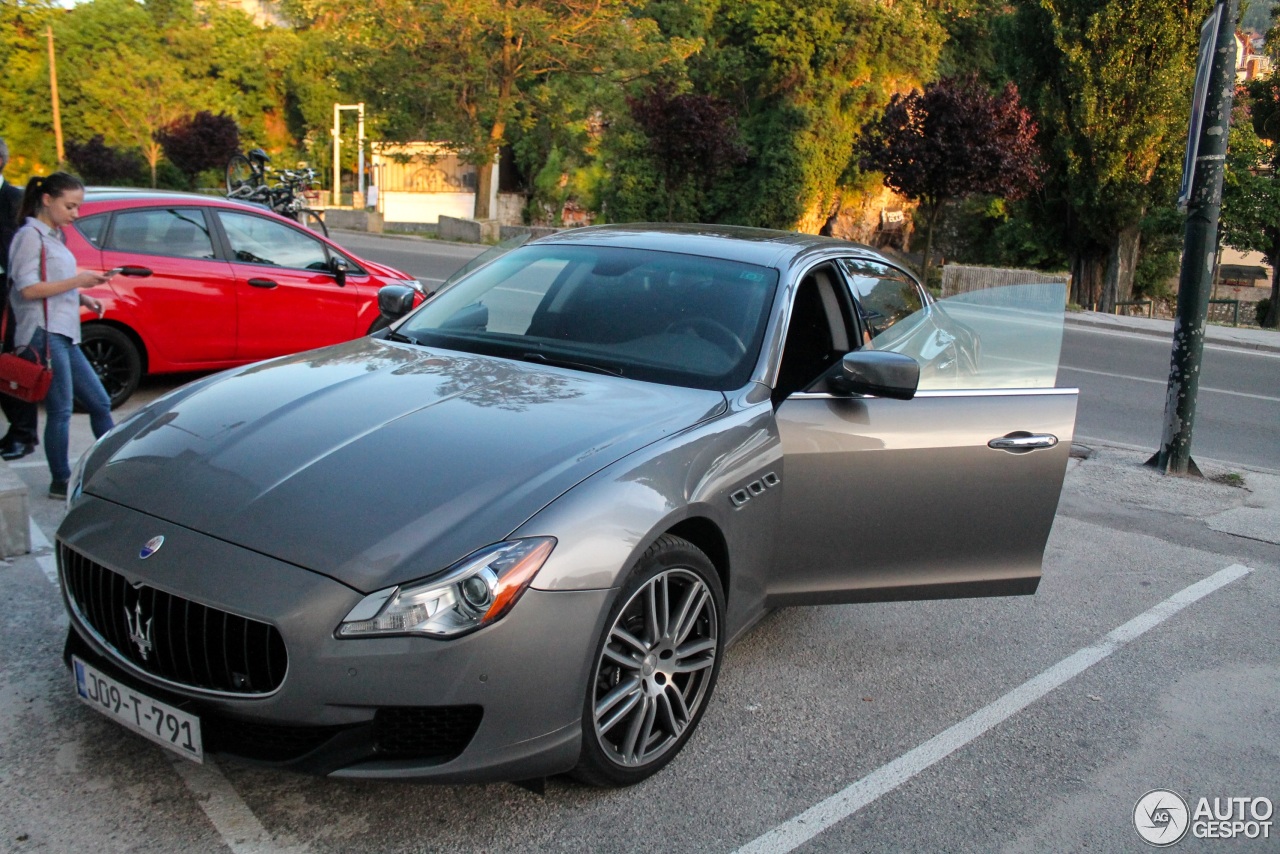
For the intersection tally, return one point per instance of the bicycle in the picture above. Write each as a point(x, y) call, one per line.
point(247, 170)
point(247, 177)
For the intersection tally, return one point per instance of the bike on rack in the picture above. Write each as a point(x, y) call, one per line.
point(247, 181)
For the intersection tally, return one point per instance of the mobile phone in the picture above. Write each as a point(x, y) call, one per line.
point(113, 271)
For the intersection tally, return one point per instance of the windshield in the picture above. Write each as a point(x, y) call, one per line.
point(654, 316)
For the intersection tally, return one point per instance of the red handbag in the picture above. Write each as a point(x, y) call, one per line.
point(22, 373)
point(24, 379)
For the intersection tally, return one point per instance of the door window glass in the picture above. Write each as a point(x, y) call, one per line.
point(180, 232)
point(92, 228)
point(885, 295)
point(258, 240)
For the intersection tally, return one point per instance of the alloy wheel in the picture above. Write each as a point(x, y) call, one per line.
point(655, 668)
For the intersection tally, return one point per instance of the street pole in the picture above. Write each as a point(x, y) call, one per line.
point(360, 143)
point(1199, 244)
point(337, 147)
point(53, 91)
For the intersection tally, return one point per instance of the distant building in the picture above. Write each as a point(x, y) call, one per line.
point(1251, 62)
point(265, 13)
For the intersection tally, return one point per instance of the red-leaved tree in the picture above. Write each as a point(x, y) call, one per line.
point(694, 140)
point(199, 142)
point(952, 140)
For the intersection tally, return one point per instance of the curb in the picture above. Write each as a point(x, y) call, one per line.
point(1221, 339)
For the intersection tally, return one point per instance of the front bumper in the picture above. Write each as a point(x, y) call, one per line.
point(504, 703)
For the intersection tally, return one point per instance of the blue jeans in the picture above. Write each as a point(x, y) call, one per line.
point(73, 378)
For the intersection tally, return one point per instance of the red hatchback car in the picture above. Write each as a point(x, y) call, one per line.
point(209, 283)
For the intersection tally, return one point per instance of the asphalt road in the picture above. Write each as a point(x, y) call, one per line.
point(1123, 379)
point(430, 261)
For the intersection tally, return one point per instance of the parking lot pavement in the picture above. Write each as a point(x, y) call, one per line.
point(1147, 660)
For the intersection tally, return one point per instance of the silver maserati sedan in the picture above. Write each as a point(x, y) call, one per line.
point(512, 534)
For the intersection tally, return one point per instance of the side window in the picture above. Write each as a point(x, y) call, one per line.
point(885, 295)
point(92, 227)
point(180, 232)
point(258, 240)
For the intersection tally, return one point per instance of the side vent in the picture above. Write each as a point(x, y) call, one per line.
point(739, 497)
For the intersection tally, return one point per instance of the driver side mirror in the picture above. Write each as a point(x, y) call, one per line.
point(339, 267)
point(877, 372)
point(395, 301)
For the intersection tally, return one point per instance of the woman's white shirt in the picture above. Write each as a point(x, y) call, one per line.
point(24, 268)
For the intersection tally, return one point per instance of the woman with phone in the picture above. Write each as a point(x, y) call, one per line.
point(46, 300)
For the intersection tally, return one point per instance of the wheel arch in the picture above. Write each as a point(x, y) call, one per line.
point(707, 537)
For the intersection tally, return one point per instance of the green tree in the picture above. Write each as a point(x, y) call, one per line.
point(803, 78)
point(799, 79)
point(1110, 82)
point(462, 70)
point(26, 115)
point(1251, 186)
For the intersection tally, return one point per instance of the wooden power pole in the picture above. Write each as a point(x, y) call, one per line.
point(57, 110)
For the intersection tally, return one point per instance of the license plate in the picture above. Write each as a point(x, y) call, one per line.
point(160, 722)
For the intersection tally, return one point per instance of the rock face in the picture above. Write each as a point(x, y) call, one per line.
point(878, 217)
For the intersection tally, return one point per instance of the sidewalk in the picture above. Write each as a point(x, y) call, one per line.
point(1249, 338)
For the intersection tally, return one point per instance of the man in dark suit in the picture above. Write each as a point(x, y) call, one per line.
point(23, 416)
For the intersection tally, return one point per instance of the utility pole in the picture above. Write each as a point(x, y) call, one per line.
point(1207, 159)
point(57, 110)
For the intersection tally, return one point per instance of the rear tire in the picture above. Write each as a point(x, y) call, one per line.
point(239, 173)
point(655, 666)
point(115, 359)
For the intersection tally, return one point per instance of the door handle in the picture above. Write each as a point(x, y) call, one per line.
point(262, 283)
point(140, 272)
point(1021, 442)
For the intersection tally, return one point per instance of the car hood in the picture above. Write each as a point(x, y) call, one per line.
point(375, 462)
point(382, 270)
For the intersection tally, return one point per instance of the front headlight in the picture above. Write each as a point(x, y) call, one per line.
point(473, 593)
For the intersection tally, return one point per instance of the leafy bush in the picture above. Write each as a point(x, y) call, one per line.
point(199, 142)
point(98, 163)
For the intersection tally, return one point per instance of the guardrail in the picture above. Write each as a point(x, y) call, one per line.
point(1235, 310)
point(1140, 303)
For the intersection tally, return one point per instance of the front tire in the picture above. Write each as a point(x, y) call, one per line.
point(115, 359)
point(655, 666)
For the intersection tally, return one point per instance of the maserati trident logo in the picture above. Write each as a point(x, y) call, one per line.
point(139, 632)
point(153, 545)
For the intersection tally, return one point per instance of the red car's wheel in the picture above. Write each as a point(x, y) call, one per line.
point(115, 359)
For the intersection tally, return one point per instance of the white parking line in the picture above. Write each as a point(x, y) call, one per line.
point(40, 543)
point(793, 833)
point(230, 816)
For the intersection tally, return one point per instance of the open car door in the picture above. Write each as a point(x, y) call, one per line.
point(951, 493)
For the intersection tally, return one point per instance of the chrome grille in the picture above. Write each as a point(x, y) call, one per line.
point(173, 638)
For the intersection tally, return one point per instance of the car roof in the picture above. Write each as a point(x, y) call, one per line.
point(108, 196)
point(762, 246)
